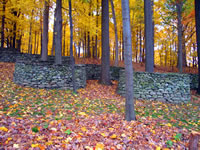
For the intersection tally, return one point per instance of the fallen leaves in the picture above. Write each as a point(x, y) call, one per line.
point(3, 129)
point(91, 119)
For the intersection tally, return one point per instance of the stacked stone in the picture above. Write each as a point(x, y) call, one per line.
point(168, 87)
point(193, 81)
point(8, 55)
point(93, 72)
point(38, 74)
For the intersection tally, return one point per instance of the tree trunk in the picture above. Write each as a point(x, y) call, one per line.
point(14, 34)
point(64, 40)
point(130, 112)
point(38, 41)
point(35, 43)
point(30, 38)
point(184, 50)
point(58, 31)
point(53, 43)
point(97, 24)
point(136, 47)
point(105, 59)
point(19, 41)
point(85, 38)
point(193, 57)
point(71, 47)
point(140, 35)
point(41, 33)
point(88, 47)
point(179, 5)
point(3, 24)
point(116, 35)
point(166, 55)
point(149, 46)
point(79, 49)
point(45, 31)
point(197, 20)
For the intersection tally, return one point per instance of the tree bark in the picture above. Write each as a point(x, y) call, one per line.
point(72, 61)
point(63, 51)
point(88, 46)
point(140, 36)
point(41, 33)
point(97, 24)
point(130, 112)
point(58, 32)
point(3, 24)
point(197, 21)
point(179, 5)
point(14, 34)
point(116, 35)
point(45, 31)
point(53, 43)
point(136, 46)
point(184, 51)
point(105, 59)
point(149, 46)
point(30, 37)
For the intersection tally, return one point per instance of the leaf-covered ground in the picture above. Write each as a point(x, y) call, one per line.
point(92, 119)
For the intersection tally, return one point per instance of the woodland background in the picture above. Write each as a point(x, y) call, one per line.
point(23, 28)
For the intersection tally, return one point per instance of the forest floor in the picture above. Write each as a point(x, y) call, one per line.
point(92, 119)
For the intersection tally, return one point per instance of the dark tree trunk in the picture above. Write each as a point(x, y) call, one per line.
point(41, 33)
point(79, 49)
point(197, 19)
point(93, 47)
point(166, 55)
point(64, 40)
point(30, 39)
point(116, 36)
point(72, 61)
point(35, 45)
point(130, 112)
point(14, 35)
point(143, 50)
point(85, 38)
point(193, 57)
point(45, 31)
point(149, 44)
point(179, 5)
point(140, 36)
point(122, 46)
point(88, 45)
point(3, 24)
point(136, 47)
point(19, 41)
point(105, 59)
point(184, 53)
point(97, 24)
point(53, 43)
point(58, 31)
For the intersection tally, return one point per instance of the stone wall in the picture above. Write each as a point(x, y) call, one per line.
point(170, 87)
point(9, 55)
point(47, 75)
point(30, 71)
point(193, 81)
point(93, 72)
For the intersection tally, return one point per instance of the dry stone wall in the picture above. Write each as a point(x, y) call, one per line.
point(93, 72)
point(47, 75)
point(30, 71)
point(169, 87)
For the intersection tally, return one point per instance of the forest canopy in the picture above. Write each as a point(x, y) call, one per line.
point(23, 28)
